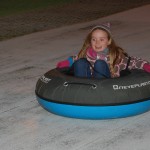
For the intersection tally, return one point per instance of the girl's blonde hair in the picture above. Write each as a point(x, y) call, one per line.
point(116, 53)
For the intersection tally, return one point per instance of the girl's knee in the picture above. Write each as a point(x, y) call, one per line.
point(100, 63)
point(81, 62)
point(101, 69)
point(82, 68)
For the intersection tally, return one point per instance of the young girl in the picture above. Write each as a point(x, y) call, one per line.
point(100, 57)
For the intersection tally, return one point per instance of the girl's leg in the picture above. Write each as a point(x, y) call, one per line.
point(82, 68)
point(101, 69)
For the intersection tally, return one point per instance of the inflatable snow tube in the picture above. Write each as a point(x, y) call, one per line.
point(84, 98)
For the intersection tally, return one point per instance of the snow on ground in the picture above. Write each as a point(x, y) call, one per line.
point(25, 125)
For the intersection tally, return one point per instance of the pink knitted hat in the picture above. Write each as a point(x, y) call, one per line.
point(105, 26)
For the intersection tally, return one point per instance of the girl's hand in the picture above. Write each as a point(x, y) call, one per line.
point(63, 64)
point(146, 67)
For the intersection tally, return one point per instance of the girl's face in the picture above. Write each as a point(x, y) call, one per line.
point(99, 40)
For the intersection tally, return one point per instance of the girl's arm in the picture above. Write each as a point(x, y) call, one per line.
point(138, 63)
point(135, 63)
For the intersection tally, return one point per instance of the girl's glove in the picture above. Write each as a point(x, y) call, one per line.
point(146, 67)
point(63, 64)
